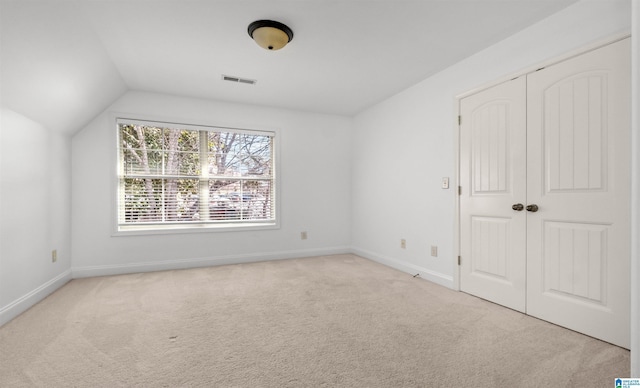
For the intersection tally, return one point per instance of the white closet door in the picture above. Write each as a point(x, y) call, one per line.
point(492, 171)
point(578, 123)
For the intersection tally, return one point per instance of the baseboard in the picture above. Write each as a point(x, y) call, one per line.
point(432, 276)
point(119, 269)
point(25, 302)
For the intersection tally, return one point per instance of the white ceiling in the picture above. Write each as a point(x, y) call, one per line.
point(63, 62)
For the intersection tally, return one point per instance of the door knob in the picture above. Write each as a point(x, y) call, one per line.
point(517, 207)
point(532, 208)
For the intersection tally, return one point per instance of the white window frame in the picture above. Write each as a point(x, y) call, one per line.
point(119, 229)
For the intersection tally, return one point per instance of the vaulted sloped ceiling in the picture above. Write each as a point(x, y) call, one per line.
point(54, 67)
point(63, 62)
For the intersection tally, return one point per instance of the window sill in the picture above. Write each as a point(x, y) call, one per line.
point(141, 230)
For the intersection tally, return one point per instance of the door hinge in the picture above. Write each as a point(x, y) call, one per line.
point(459, 190)
point(459, 261)
point(459, 120)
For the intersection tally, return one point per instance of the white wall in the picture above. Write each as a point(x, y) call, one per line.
point(314, 179)
point(635, 190)
point(35, 187)
point(406, 144)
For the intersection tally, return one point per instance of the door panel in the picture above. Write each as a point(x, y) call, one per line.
point(492, 167)
point(489, 236)
point(578, 174)
point(575, 261)
point(575, 135)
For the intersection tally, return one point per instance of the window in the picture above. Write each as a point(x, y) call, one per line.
point(175, 176)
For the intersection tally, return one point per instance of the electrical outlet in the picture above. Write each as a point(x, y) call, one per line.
point(54, 255)
point(303, 235)
point(434, 251)
point(403, 243)
point(445, 182)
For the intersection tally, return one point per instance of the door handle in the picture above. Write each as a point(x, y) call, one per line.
point(517, 207)
point(532, 208)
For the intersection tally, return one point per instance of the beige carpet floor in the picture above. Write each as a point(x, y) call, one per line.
point(334, 321)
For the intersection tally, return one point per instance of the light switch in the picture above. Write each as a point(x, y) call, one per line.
point(445, 182)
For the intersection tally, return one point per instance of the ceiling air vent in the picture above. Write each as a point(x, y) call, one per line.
point(239, 80)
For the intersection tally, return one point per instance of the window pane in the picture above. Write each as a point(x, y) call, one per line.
point(137, 161)
point(241, 200)
point(181, 200)
point(222, 204)
point(182, 155)
point(235, 155)
point(256, 155)
point(142, 200)
point(156, 151)
point(141, 136)
point(220, 153)
point(160, 200)
point(257, 200)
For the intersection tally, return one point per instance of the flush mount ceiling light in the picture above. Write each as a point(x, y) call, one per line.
point(270, 35)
